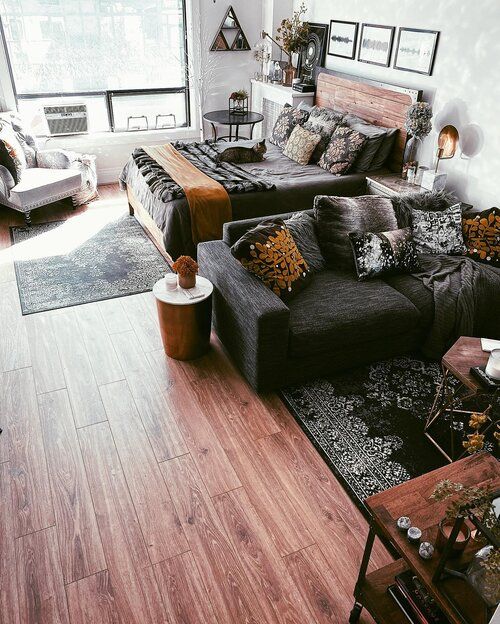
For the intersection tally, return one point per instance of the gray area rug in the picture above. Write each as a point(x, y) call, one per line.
point(91, 257)
point(368, 423)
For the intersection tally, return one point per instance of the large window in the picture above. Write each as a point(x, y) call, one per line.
point(125, 59)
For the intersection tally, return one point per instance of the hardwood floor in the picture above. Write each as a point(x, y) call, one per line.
point(141, 490)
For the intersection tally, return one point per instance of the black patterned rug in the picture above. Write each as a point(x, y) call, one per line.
point(368, 423)
point(94, 256)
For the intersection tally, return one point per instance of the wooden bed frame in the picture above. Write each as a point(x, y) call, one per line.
point(379, 103)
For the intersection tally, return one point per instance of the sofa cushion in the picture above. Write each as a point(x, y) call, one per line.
point(482, 236)
point(414, 290)
point(301, 145)
point(286, 122)
point(438, 232)
point(337, 311)
point(41, 186)
point(342, 150)
point(336, 217)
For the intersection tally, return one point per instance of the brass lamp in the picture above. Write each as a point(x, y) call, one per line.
point(447, 144)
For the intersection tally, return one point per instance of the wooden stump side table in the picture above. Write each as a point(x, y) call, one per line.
point(185, 323)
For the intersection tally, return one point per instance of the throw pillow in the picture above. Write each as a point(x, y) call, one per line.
point(375, 135)
point(482, 236)
point(430, 201)
point(323, 121)
point(303, 229)
point(438, 232)
point(270, 253)
point(384, 253)
point(301, 144)
point(26, 140)
point(11, 153)
point(337, 216)
point(385, 150)
point(342, 150)
point(286, 122)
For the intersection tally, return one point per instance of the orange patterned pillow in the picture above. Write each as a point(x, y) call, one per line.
point(482, 236)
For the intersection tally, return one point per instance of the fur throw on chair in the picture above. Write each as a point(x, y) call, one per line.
point(430, 202)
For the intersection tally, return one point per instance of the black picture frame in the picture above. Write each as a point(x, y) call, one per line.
point(355, 27)
point(399, 63)
point(320, 31)
point(392, 32)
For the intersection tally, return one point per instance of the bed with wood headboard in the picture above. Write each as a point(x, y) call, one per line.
point(169, 223)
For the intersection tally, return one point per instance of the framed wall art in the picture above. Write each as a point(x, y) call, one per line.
point(343, 39)
point(375, 45)
point(416, 50)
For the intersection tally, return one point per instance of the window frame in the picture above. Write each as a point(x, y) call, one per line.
point(109, 93)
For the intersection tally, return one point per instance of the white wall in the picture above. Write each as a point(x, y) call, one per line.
point(464, 88)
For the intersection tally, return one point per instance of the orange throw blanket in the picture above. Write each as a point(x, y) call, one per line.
point(209, 203)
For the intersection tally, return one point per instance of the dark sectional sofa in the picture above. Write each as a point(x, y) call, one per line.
point(335, 323)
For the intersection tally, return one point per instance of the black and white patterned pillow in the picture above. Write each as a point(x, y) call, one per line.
point(286, 122)
point(438, 232)
point(323, 121)
point(384, 253)
point(342, 150)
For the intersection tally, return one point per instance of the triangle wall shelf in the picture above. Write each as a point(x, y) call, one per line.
point(230, 36)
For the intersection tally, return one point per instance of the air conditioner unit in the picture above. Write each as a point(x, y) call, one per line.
point(66, 119)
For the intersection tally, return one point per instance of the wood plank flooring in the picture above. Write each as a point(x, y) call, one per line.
point(140, 490)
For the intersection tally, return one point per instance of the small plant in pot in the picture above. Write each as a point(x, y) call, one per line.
point(186, 269)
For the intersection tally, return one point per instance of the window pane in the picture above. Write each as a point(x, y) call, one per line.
point(169, 107)
point(94, 45)
point(32, 112)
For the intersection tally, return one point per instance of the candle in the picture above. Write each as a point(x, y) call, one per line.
point(493, 366)
point(404, 523)
point(414, 534)
point(171, 281)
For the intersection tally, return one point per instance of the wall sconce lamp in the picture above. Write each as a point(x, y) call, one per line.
point(447, 144)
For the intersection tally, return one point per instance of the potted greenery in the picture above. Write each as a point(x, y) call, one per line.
point(292, 35)
point(484, 571)
point(186, 269)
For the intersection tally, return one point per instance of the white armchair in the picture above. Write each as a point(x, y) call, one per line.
point(51, 175)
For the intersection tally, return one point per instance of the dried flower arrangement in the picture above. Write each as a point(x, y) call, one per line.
point(476, 440)
point(477, 500)
point(293, 32)
point(418, 120)
point(185, 266)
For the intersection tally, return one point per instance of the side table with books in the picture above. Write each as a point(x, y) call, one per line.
point(405, 590)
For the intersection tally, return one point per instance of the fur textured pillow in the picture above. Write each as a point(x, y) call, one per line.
point(342, 150)
point(482, 236)
point(286, 122)
point(303, 229)
point(438, 232)
point(384, 253)
point(336, 217)
point(301, 144)
point(271, 254)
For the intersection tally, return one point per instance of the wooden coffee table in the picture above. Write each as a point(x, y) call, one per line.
point(456, 598)
point(457, 387)
point(185, 324)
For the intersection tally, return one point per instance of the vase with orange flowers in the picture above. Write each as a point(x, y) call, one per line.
point(186, 269)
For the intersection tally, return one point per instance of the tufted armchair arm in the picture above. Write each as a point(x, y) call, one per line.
point(6, 182)
point(56, 158)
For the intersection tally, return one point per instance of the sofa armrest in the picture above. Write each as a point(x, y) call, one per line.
point(55, 158)
point(234, 230)
point(6, 182)
point(250, 320)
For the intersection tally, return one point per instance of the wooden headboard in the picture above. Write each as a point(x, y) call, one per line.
point(379, 103)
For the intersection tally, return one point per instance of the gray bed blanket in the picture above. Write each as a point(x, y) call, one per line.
point(204, 156)
point(466, 300)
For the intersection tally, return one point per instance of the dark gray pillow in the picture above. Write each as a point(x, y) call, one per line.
point(385, 150)
point(323, 121)
point(303, 229)
point(336, 217)
point(375, 136)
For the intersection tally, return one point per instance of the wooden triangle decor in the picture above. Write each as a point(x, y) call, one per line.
point(230, 36)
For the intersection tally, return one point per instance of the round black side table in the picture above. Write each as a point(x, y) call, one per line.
point(225, 118)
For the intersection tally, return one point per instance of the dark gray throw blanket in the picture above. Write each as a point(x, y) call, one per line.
point(466, 300)
point(204, 157)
